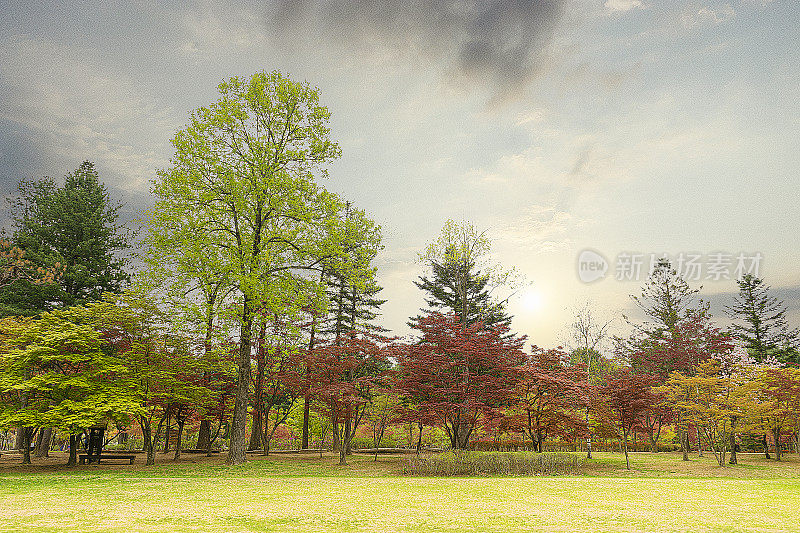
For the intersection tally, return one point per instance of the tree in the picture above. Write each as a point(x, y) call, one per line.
point(761, 322)
point(383, 410)
point(628, 396)
point(75, 229)
point(457, 374)
point(588, 335)
point(346, 377)
point(61, 371)
point(705, 400)
point(659, 345)
point(463, 278)
point(26, 289)
point(547, 397)
point(243, 171)
point(779, 402)
point(666, 299)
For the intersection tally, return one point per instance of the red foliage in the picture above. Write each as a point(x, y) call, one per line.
point(456, 374)
point(629, 397)
point(344, 376)
point(693, 341)
point(547, 397)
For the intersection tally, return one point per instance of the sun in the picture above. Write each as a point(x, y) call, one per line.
point(532, 300)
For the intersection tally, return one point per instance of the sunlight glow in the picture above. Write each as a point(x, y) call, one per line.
point(532, 300)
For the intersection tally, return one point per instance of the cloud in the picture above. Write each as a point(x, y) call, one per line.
point(622, 5)
point(540, 228)
point(704, 15)
point(59, 102)
point(503, 44)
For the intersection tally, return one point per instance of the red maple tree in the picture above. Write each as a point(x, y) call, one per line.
point(456, 374)
point(547, 398)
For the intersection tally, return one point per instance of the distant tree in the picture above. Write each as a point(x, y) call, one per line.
point(61, 371)
point(384, 409)
point(73, 228)
point(762, 325)
point(457, 375)
point(462, 277)
point(705, 401)
point(628, 396)
point(666, 299)
point(778, 405)
point(548, 397)
point(588, 335)
point(666, 340)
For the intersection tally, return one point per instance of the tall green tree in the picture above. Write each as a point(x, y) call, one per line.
point(75, 226)
point(761, 322)
point(244, 173)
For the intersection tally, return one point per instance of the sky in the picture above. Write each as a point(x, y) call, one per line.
point(629, 128)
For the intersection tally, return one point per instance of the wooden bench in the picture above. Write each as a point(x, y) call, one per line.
point(82, 458)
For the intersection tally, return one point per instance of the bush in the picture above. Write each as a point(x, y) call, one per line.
point(464, 463)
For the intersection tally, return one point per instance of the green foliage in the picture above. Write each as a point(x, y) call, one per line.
point(666, 300)
point(462, 278)
point(74, 227)
point(61, 371)
point(761, 323)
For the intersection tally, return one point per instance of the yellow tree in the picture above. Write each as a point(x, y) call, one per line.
point(779, 401)
point(711, 400)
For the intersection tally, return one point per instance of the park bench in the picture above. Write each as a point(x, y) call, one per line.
point(82, 458)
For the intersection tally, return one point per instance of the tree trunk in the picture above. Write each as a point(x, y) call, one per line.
point(259, 425)
point(307, 395)
point(733, 460)
point(147, 436)
point(776, 433)
point(19, 440)
point(204, 434)
point(181, 421)
point(256, 429)
point(43, 442)
point(27, 434)
point(684, 437)
point(236, 453)
point(766, 445)
point(347, 429)
point(306, 416)
point(335, 426)
point(625, 447)
point(166, 431)
point(419, 440)
point(588, 437)
point(343, 449)
point(73, 450)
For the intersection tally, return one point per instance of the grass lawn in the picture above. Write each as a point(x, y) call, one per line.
point(305, 493)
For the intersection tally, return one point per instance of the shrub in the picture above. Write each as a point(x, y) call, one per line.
point(464, 463)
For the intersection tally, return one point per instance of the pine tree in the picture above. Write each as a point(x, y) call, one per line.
point(445, 293)
point(74, 226)
point(666, 300)
point(763, 329)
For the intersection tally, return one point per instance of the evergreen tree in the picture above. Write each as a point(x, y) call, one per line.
point(443, 294)
point(461, 278)
point(666, 300)
point(74, 226)
point(763, 329)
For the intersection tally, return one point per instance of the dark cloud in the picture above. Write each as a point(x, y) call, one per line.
point(503, 43)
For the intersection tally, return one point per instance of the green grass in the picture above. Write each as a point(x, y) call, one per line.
point(308, 494)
